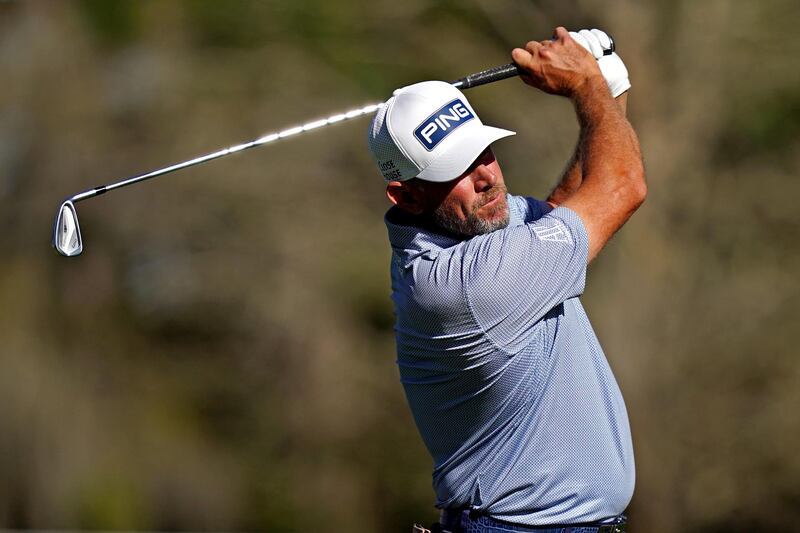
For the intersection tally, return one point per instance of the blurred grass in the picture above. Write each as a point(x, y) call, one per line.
point(115, 24)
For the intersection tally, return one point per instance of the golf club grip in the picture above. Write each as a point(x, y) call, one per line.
point(488, 76)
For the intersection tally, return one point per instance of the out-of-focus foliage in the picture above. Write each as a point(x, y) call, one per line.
point(221, 357)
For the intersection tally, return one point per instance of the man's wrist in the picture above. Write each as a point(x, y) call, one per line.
point(593, 87)
point(622, 102)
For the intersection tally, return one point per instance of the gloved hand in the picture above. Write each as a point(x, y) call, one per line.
point(599, 44)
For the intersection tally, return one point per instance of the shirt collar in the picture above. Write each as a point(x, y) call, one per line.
point(410, 242)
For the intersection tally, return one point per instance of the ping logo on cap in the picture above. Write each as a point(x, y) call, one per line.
point(441, 123)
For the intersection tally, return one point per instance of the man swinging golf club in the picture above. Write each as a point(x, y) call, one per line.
point(506, 380)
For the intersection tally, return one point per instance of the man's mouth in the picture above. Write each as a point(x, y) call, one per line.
point(492, 200)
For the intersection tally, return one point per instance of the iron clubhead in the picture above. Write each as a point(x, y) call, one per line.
point(66, 231)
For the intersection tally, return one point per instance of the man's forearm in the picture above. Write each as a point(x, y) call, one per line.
point(570, 180)
point(613, 184)
point(609, 147)
point(572, 177)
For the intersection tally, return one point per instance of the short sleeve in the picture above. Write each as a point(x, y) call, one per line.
point(513, 277)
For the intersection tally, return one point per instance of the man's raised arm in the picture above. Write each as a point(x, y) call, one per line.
point(612, 184)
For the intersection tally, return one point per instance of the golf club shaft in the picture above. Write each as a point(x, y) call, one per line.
point(487, 76)
point(265, 139)
point(473, 80)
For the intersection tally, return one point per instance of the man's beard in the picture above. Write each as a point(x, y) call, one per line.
point(496, 218)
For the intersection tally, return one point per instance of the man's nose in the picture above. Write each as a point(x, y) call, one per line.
point(484, 178)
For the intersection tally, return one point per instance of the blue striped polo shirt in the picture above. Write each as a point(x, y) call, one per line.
point(506, 380)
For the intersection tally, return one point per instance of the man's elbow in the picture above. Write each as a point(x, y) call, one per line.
point(640, 192)
point(637, 186)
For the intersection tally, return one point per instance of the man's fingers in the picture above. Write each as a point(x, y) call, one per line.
point(595, 47)
point(524, 57)
point(605, 40)
point(527, 61)
point(521, 57)
point(581, 40)
point(590, 41)
point(533, 46)
point(561, 34)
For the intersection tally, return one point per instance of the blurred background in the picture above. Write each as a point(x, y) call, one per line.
point(221, 357)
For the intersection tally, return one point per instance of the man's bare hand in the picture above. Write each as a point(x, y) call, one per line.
point(559, 66)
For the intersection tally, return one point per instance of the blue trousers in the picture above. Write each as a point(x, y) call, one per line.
point(486, 524)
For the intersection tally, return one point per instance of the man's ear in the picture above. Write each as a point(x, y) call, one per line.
point(407, 198)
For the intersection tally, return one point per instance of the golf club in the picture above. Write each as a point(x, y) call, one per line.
point(67, 232)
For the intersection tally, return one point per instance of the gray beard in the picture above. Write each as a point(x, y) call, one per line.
point(469, 227)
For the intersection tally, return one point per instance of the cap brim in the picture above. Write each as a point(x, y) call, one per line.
point(457, 159)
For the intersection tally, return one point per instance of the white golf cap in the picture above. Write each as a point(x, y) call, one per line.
point(429, 131)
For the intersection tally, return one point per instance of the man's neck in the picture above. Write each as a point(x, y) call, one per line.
point(400, 217)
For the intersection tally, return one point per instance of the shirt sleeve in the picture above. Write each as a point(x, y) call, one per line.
point(513, 277)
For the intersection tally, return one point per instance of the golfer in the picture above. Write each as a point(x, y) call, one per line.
point(505, 377)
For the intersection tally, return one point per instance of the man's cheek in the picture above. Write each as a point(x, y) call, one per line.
point(457, 211)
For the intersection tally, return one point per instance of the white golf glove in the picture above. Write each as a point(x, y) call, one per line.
point(599, 44)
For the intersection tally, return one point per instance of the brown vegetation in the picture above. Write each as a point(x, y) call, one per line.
point(221, 357)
